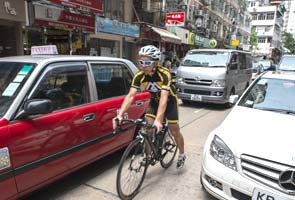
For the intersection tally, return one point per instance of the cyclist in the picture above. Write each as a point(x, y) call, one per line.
point(157, 80)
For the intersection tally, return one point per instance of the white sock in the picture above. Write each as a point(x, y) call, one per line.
point(181, 155)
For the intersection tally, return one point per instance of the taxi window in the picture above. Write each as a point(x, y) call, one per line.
point(64, 86)
point(111, 80)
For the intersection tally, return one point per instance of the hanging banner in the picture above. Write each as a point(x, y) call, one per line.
point(62, 19)
point(85, 5)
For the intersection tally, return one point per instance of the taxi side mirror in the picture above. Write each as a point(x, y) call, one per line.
point(35, 107)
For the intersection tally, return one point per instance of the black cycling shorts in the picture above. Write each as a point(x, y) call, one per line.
point(171, 112)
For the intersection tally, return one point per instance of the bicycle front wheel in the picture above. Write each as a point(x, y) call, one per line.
point(169, 150)
point(132, 170)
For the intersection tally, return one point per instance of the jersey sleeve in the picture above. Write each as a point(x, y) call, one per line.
point(136, 80)
point(166, 80)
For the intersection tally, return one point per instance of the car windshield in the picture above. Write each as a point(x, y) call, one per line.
point(13, 75)
point(271, 94)
point(206, 59)
point(287, 63)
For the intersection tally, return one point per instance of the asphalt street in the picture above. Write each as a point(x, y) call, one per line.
point(98, 180)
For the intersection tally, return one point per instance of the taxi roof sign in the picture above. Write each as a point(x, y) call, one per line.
point(44, 50)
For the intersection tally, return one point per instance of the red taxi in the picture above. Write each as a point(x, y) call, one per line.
point(56, 116)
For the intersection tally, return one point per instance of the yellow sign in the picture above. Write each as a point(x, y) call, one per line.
point(235, 43)
point(191, 38)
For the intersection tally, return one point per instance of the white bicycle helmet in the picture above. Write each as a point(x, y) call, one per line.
point(151, 51)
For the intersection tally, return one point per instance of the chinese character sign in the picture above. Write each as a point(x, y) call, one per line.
point(175, 19)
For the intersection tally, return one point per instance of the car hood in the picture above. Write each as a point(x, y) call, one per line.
point(263, 134)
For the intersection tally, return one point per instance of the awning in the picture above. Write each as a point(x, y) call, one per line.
point(156, 34)
point(166, 35)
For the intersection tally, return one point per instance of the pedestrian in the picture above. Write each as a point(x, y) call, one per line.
point(167, 63)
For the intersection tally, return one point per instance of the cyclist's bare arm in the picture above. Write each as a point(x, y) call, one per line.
point(125, 106)
point(161, 109)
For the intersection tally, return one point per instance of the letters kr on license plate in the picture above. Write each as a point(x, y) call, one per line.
point(264, 195)
point(195, 97)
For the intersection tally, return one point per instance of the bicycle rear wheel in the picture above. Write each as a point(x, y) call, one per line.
point(169, 150)
point(132, 170)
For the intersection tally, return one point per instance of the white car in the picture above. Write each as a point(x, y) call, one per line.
point(251, 155)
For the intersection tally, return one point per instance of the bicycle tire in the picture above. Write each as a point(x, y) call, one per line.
point(169, 148)
point(128, 158)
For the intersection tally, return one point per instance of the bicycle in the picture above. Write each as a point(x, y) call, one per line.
point(135, 159)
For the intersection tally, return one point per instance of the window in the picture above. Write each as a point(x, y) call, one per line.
point(270, 16)
point(242, 61)
point(64, 86)
point(252, 4)
point(261, 17)
point(261, 40)
point(255, 17)
point(234, 62)
point(111, 80)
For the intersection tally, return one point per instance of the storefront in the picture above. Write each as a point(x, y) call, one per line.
point(12, 17)
point(52, 24)
point(114, 38)
point(162, 38)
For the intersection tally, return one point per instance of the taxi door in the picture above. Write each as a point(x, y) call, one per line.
point(45, 146)
point(112, 82)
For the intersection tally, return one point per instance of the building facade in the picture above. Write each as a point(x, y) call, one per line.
point(267, 21)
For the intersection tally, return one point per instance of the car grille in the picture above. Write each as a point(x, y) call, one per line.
point(200, 92)
point(266, 172)
point(197, 82)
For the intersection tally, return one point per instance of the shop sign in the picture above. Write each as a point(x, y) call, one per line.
point(113, 26)
point(213, 43)
point(47, 16)
point(13, 10)
point(175, 19)
point(94, 6)
point(199, 40)
point(191, 38)
point(235, 43)
point(183, 34)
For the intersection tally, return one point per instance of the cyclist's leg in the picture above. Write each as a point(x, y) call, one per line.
point(150, 116)
point(172, 118)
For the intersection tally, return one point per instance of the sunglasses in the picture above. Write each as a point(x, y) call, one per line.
point(146, 63)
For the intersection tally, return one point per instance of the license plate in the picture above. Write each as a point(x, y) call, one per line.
point(264, 195)
point(195, 97)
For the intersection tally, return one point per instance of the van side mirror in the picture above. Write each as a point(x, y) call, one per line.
point(233, 99)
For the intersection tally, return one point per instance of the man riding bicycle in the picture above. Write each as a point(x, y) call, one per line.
point(157, 80)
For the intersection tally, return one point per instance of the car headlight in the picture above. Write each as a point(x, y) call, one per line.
point(179, 80)
point(222, 153)
point(218, 83)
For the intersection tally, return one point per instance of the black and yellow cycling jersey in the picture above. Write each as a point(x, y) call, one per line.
point(160, 80)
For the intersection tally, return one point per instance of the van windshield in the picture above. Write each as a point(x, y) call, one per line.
point(206, 59)
point(13, 75)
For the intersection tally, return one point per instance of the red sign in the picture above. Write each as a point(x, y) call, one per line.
point(175, 19)
point(63, 19)
point(85, 5)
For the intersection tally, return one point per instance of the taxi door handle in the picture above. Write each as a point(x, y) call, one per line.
point(89, 117)
point(138, 103)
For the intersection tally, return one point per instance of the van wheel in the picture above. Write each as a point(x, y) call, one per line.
point(185, 102)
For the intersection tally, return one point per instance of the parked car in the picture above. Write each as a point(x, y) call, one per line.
point(250, 155)
point(268, 65)
point(257, 69)
point(212, 75)
point(287, 63)
point(56, 116)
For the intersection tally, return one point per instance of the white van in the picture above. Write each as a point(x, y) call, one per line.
point(212, 75)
